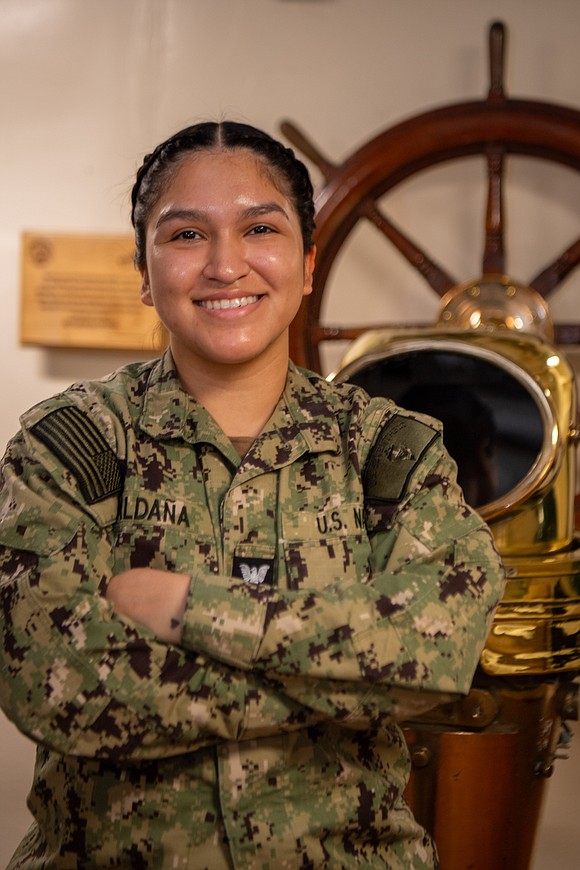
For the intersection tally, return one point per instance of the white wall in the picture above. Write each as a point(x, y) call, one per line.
point(86, 88)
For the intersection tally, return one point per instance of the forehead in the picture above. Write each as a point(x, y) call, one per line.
point(235, 169)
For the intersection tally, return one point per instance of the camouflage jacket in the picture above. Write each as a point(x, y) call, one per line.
point(338, 581)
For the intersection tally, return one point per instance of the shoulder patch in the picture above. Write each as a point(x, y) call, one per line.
point(394, 456)
point(78, 443)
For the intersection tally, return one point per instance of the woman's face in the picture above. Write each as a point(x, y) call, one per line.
point(225, 266)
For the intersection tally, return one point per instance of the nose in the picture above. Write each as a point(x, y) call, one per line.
point(226, 260)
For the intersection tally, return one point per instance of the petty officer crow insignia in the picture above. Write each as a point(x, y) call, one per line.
point(254, 571)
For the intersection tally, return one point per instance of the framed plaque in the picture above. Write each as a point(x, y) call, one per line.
point(84, 291)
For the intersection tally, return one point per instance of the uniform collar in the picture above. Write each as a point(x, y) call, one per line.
point(303, 420)
point(304, 413)
point(169, 412)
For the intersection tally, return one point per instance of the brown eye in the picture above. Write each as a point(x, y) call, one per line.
point(187, 235)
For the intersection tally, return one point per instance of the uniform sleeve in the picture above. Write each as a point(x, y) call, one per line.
point(76, 678)
point(418, 623)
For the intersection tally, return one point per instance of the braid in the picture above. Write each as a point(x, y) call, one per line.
point(148, 162)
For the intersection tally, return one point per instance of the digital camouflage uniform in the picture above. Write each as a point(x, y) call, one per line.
point(338, 582)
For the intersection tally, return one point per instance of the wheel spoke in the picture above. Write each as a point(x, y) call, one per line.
point(493, 253)
point(567, 333)
point(437, 278)
point(347, 333)
point(299, 139)
point(496, 61)
point(552, 276)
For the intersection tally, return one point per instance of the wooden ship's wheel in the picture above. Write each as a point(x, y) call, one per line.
point(477, 780)
point(494, 128)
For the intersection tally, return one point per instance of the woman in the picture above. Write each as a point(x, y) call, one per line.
point(223, 579)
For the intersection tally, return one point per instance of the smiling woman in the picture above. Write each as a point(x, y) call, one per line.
point(225, 580)
point(223, 219)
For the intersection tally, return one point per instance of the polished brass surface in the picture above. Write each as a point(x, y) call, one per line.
point(536, 516)
point(536, 628)
point(495, 302)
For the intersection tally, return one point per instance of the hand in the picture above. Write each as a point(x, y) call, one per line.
point(153, 598)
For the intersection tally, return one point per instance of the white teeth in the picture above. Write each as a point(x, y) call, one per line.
point(223, 304)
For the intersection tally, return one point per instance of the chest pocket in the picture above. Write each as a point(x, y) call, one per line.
point(324, 547)
point(153, 531)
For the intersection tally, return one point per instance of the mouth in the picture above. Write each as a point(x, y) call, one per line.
point(225, 304)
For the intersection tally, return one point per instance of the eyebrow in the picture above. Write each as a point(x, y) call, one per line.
point(195, 215)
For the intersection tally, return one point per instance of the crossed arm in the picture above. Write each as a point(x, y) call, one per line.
point(148, 663)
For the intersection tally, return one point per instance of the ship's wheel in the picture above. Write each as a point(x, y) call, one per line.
point(491, 128)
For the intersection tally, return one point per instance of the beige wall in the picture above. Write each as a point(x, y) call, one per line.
point(88, 86)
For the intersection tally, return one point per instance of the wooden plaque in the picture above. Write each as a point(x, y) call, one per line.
point(84, 291)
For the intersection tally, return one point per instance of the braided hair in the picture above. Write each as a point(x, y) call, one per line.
point(288, 173)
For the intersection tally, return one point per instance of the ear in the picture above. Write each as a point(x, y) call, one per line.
point(146, 297)
point(309, 261)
